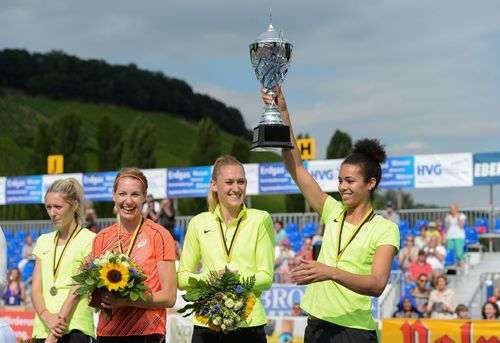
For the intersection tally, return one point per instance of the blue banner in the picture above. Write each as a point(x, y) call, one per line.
point(278, 300)
point(398, 172)
point(486, 168)
point(99, 186)
point(188, 182)
point(23, 190)
point(274, 178)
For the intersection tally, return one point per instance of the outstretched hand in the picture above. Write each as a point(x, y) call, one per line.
point(311, 271)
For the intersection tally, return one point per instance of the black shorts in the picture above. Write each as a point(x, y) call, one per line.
point(75, 336)
point(320, 331)
point(255, 334)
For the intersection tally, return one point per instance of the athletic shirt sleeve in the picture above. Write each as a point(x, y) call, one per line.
point(164, 245)
point(389, 236)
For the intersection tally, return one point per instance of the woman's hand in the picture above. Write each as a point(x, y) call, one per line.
point(311, 271)
point(110, 302)
point(279, 99)
point(51, 339)
point(54, 323)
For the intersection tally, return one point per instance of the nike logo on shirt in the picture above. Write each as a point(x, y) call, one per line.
point(207, 230)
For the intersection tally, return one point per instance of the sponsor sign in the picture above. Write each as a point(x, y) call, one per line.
point(157, 182)
point(326, 173)
point(398, 172)
point(21, 322)
point(252, 175)
point(444, 331)
point(99, 186)
point(3, 181)
point(23, 190)
point(274, 178)
point(47, 180)
point(486, 168)
point(444, 170)
point(188, 182)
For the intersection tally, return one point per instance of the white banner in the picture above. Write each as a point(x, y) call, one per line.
point(444, 170)
point(3, 180)
point(157, 182)
point(326, 173)
point(48, 179)
point(252, 175)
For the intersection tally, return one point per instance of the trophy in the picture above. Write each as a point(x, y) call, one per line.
point(270, 56)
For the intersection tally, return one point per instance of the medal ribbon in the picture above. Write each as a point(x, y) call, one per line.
point(57, 266)
point(367, 217)
point(134, 238)
point(229, 252)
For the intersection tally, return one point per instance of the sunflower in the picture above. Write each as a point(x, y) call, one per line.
point(202, 319)
point(249, 306)
point(115, 276)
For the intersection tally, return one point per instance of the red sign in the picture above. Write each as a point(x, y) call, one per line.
point(20, 321)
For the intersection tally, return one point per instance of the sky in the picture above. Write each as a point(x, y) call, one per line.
point(422, 76)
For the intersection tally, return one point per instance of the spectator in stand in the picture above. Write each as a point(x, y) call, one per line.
point(279, 232)
point(407, 308)
point(3, 261)
point(318, 236)
point(440, 227)
point(435, 256)
point(281, 262)
point(419, 267)
point(442, 300)
point(27, 252)
point(15, 292)
point(91, 219)
point(390, 214)
point(408, 254)
point(490, 311)
point(306, 251)
point(455, 234)
point(151, 208)
point(434, 231)
point(421, 240)
point(166, 216)
point(462, 312)
point(421, 292)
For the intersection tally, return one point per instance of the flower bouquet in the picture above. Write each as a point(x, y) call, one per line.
point(222, 301)
point(114, 273)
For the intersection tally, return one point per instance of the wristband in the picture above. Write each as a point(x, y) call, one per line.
point(42, 312)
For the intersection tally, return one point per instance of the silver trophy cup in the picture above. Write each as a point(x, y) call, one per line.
point(270, 56)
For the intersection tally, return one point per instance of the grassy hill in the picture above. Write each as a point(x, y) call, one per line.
point(21, 114)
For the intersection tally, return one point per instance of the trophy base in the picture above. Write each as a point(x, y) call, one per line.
point(271, 138)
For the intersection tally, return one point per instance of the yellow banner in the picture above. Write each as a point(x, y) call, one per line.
point(440, 331)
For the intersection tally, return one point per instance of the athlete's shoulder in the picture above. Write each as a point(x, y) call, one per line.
point(86, 234)
point(254, 212)
point(110, 230)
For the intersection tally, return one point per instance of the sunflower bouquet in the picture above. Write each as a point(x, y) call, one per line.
point(222, 301)
point(114, 273)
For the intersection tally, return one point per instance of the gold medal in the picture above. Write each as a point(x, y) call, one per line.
point(53, 291)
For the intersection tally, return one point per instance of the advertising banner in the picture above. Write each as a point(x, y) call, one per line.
point(444, 170)
point(99, 186)
point(326, 173)
point(3, 181)
point(157, 182)
point(398, 172)
point(23, 190)
point(274, 179)
point(47, 180)
point(441, 331)
point(21, 322)
point(487, 168)
point(188, 182)
point(278, 300)
point(252, 175)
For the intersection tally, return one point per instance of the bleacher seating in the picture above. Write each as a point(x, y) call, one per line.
point(309, 230)
point(482, 224)
point(450, 259)
point(471, 236)
point(497, 224)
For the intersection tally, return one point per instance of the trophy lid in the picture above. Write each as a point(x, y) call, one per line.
point(271, 35)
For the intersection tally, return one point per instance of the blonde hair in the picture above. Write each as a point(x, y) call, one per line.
point(226, 160)
point(72, 192)
point(135, 173)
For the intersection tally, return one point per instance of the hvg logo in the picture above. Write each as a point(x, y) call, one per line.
point(431, 169)
point(322, 174)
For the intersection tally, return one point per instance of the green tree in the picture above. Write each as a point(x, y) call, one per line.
point(241, 150)
point(207, 147)
point(340, 145)
point(70, 141)
point(140, 144)
point(41, 148)
point(110, 144)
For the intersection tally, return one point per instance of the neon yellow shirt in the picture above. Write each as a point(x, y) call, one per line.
point(328, 300)
point(252, 252)
point(80, 247)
